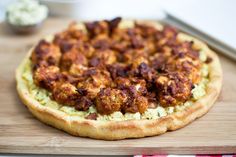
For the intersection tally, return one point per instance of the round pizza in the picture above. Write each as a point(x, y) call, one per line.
point(117, 79)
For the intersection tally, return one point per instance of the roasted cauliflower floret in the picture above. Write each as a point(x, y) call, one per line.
point(147, 72)
point(146, 31)
point(68, 94)
point(134, 57)
point(83, 104)
point(65, 93)
point(77, 69)
point(46, 53)
point(173, 89)
point(105, 56)
point(104, 27)
point(46, 77)
point(138, 60)
point(186, 66)
point(86, 49)
point(94, 80)
point(72, 57)
point(134, 85)
point(166, 37)
point(101, 42)
point(137, 104)
point(110, 100)
point(118, 70)
point(64, 44)
point(122, 82)
point(71, 33)
point(97, 28)
point(186, 48)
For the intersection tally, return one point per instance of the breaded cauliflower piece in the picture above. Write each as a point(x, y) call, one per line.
point(173, 88)
point(110, 100)
point(46, 53)
point(72, 57)
point(94, 80)
point(46, 77)
point(65, 93)
point(137, 104)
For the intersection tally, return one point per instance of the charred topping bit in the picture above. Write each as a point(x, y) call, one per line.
point(146, 72)
point(113, 24)
point(66, 45)
point(101, 44)
point(83, 104)
point(137, 104)
point(90, 72)
point(117, 69)
point(137, 42)
point(82, 91)
point(92, 116)
point(158, 62)
point(152, 97)
point(146, 31)
point(102, 27)
point(136, 87)
point(184, 49)
point(173, 88)
point(97, 28)
point(208, 60)
point(95, 62)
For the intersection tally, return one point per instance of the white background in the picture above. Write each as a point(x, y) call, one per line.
point(215, 17)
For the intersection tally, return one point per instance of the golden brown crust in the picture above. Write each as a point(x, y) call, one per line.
point(112, 130)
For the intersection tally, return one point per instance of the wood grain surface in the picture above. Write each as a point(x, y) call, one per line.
point(20, 132)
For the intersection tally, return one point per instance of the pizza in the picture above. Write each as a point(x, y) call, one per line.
point(117, 79)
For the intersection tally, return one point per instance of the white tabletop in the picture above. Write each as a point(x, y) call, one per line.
point(217, 18)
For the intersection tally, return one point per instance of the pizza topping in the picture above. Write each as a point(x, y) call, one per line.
point(92, 116)
point(93, 80)
point(83, 104)
point(133, 85)
point(137, 104)
point(208, 60)
point(119, 70)
point(65, 93)
point(46, 77)
point(110, 100)
point(72, 56)
point(199, 90)
point(174, 88)
point(105, 56)
point(82, 91)
point(46, 54)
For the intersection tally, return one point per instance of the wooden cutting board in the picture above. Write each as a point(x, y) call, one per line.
point(20, 132)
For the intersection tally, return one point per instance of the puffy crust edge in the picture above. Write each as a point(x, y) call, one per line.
point(113, 130)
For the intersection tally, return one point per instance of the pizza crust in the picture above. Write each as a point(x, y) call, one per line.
point(116, 130)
